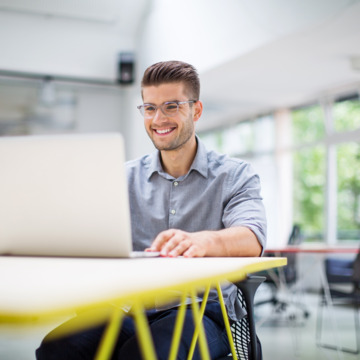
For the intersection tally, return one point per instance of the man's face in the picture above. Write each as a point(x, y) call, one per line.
point(170, 133)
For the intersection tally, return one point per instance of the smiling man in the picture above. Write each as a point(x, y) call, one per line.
point(184, 201)
point(215, 192)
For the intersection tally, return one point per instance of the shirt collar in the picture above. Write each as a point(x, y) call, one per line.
point(200, 163)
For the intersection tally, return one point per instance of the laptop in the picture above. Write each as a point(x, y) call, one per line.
point(65, 195)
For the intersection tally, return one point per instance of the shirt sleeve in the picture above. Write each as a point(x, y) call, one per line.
point(245, 206)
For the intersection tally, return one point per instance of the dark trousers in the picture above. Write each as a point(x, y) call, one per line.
point(83, 345)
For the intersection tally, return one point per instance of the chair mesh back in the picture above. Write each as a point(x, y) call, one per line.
point(241, 333)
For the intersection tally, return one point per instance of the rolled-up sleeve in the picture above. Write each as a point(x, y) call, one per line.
point(245, 206)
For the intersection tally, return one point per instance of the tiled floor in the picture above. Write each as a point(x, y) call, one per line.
point(282, 338)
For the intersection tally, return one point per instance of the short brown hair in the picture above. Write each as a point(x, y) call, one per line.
point(171, 72)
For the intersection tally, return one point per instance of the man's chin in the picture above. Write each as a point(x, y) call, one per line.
point(164, 145)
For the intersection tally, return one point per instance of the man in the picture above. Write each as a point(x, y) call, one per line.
point(184, 201)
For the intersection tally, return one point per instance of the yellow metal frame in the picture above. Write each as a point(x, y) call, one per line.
point(144, 335)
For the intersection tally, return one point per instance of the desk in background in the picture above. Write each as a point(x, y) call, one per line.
point(311, 248)
point(314, 249)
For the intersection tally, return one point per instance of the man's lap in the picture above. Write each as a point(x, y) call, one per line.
point(83, 345)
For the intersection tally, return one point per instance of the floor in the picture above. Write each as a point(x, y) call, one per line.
point(285, 335)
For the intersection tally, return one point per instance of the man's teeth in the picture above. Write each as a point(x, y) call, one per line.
point(163, 131)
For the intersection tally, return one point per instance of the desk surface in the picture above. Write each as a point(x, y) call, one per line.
point(314, 248)
point(40, 287)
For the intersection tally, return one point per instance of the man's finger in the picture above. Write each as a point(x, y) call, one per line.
point(161, 240)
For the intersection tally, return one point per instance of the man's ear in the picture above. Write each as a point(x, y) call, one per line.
point(198, 109)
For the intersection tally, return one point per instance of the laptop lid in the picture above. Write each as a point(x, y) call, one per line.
point(64, 195)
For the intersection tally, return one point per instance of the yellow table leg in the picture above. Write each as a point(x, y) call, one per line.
point(226, 321)
point(178, 328)
point(108, 340)
point(143, 329)
point(199, 326)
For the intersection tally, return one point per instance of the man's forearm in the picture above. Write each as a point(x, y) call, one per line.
point(234, 241)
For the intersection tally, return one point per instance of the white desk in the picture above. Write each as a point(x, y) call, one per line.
point(46, 287)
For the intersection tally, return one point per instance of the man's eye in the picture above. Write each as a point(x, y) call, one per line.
point(171, 106)
point(149, 108)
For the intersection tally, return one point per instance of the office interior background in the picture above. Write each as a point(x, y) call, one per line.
point(280, 83)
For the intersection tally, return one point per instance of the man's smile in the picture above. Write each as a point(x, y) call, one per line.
point(164, 131)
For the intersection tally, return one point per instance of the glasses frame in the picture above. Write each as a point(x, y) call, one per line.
point(156, 107)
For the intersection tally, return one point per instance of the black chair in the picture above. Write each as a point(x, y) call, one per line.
point(246, 342)
point(339, 273)
point(284, 276)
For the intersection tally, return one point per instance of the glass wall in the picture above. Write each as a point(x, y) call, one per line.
point(348, 185)
point(309, 191)
point(346, 114)
point(309, 170)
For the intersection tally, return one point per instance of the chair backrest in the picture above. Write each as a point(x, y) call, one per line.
point(240, 331)
point(243, 331)
point(295, 236)
point(289, 271)
point(356, 269)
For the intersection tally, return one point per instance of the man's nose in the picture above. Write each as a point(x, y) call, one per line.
point(159, 115)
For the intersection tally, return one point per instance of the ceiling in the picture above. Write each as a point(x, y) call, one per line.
point(105, 11)
point(301, 67)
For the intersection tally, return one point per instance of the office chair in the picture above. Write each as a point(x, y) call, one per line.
point(340, 272)
point(246, 343)
point(287, 275)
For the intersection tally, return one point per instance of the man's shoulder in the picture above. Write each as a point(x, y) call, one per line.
point(218, 160)
point(139, 162)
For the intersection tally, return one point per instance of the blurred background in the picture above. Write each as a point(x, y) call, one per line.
point(280, 82)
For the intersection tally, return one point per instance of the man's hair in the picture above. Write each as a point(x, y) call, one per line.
point(173, 72)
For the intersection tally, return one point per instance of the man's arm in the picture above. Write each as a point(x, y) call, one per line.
point(233, 241)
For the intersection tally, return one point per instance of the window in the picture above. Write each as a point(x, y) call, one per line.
point(308, 132)
point(346, 114)
point(309, 192)
point(348, 195)
point(307, 124)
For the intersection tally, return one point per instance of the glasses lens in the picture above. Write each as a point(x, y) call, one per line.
point(148, 111)
point(170, 108)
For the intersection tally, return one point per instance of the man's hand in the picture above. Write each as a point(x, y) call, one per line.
point(175, 242)
point(233, 241)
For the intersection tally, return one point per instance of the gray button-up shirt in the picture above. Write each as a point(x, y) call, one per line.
point(218, 192)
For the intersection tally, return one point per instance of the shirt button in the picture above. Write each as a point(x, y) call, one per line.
point(176, 183)
point(173, 212)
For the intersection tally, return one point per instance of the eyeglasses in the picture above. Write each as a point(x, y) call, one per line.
point(169, 108)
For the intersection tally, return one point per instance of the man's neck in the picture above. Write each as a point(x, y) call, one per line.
point(178, 162)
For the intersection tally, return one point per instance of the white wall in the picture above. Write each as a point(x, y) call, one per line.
point(67, 38)
point(117, 111)
point(93, 110)
point(136, 139)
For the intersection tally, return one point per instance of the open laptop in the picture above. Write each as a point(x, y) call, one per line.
point(64, 195)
